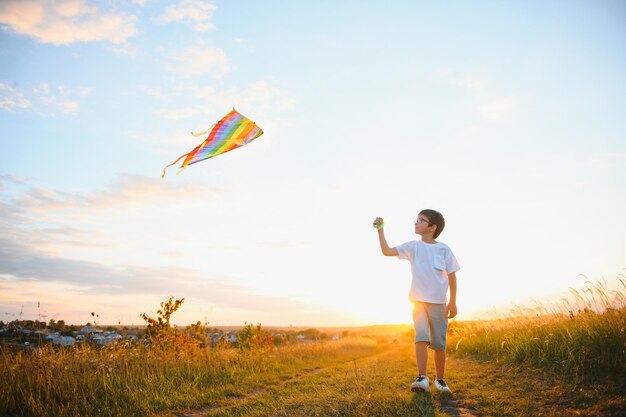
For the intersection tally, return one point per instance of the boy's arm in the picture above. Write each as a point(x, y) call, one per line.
point(384, 247)
point(451, 307)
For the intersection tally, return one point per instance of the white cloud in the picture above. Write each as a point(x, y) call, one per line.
point(73, 8)
point(606, 162)
point(15, 179)
point(12, 98)
point(66, 22)
point(498, 108)
point(85, 91)
point(42, 98)
point(199, 13)
point(465, 80)
point(263, 92)
point(152, 92)
point(124, 191)
point(263, 96)
point(76, 239)
point(178, 114)
point(125, 49)
point(258, 94)
point(200, 60)
point(60, 101)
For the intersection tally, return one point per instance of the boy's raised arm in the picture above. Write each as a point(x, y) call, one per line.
point(384, 247)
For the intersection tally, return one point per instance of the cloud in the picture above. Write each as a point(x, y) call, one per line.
point(263, 92)
point(498, 108)
point(15, 179)
point(199, 60)
point(284, 244)
point(21, 263)
point(465, 80)
point(178, 114)
point(66, 22)
point(262, 95)
point(60, 101)
point(71, 222)
point(125, 49)
point(155, 93)
point(138, 239)
point(110, 223)
point(124, 191)
point(468, 81)
point(42, 98)
point(196, 12)
point(24, 262)
point(12, 98)
point(606, 162)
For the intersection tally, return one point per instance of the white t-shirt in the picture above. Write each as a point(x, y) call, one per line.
point(430, 265)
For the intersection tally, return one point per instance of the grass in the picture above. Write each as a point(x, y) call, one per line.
point(565, 360)
point(140, 380)
point(582, 338)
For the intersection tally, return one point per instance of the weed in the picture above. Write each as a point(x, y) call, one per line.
point(583, 337)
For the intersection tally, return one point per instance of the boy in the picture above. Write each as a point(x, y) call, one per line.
point(433, 267)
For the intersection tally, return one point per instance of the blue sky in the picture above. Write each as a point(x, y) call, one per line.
point(509, 118)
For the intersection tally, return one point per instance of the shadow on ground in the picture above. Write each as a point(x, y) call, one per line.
point(446, 403)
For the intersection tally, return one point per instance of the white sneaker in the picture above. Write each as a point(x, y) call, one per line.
point(420, 384)
point(441, 386)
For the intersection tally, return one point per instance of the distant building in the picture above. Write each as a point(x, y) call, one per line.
point(111, 338)
point(87, 330)
point(57, 339)
point(67, 340)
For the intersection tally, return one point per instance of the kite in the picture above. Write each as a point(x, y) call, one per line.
point(233, 131)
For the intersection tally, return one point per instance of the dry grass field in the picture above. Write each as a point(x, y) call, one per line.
point(539, 362)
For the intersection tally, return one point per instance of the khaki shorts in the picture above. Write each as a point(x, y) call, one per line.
point(431, 324)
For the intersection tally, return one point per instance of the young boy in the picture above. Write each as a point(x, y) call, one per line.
point(433, 267)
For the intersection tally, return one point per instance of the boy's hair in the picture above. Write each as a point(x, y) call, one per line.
point(436, 218)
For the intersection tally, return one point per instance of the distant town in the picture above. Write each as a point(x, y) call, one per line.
point(31, 334)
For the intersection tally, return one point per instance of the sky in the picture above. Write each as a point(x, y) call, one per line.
point(507, 117)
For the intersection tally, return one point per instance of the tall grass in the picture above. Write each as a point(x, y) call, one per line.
point(583, 336)
point(136, 380)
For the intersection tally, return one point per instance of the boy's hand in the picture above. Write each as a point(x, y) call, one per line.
point(378, 223)
point(451, 310)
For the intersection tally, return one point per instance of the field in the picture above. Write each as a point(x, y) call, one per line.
point(568, 360)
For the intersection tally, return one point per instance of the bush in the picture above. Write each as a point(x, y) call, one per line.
point(254, 338)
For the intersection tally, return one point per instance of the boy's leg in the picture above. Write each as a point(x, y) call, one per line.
point(440, 363)
point(422, 336)
point(421, 356)
point(438, 330)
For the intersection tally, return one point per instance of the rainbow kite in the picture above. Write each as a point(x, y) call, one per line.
point(233, 131)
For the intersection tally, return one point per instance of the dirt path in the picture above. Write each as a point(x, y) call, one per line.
point(451, 406)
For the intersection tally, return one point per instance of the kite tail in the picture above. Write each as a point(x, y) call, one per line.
point(173, 163)
point(203, 133)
